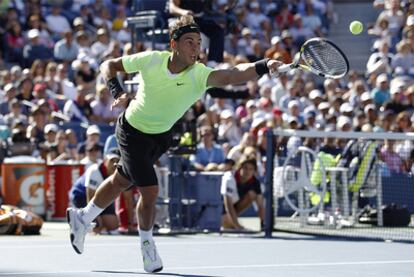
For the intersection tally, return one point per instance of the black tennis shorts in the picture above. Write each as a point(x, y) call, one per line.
point(139, 152)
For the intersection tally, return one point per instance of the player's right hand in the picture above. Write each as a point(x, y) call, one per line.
point(121, 101)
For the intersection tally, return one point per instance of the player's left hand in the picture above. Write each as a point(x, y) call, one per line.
point(121, 101)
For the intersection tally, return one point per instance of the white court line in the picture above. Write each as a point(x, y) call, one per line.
point(228, 267)
point(95, 244)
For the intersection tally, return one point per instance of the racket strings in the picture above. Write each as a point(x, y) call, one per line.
point(325, 58)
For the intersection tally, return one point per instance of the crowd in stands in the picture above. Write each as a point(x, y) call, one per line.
point(49, 76)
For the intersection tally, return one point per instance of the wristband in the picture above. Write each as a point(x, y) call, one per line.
point(261, 67)
point(115, 87)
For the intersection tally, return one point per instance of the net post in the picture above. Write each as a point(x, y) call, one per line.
point(269, 208)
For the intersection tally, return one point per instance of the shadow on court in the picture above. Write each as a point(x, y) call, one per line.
point(159, 273)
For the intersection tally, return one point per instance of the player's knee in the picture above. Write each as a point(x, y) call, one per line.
point(149, 194)
point(120, 181)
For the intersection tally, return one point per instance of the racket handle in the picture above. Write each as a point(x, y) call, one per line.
point(284, 68)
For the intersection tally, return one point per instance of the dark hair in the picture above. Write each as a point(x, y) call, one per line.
point(181, 22)
point(247, 160)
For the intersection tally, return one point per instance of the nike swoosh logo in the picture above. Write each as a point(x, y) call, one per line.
point(180, 84)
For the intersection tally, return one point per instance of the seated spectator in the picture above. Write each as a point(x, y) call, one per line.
point(101, 44)
point(57, 24)
point(92, 155)
point(15, 114)
point(300, 32)
point(381, 92)
point(18, 144)
point(66, 50)
point(85, 187)
point(228, 131)
point(101, 106)
point(380, 62)
point(10, 93)
point(209, 155)
point(34, 50)
point(93, 135)
point(60, 151)
point(38, 121)
point(85, 74)
point(240, 190)
point(78, 110)
point(14, 43)
point(391, 158)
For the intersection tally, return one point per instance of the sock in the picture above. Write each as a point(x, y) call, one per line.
point(145, 235)
point(90, 212)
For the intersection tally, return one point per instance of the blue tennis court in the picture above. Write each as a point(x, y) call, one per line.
point(204, 255)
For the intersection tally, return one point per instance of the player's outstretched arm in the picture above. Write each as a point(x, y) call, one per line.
point(242, 73)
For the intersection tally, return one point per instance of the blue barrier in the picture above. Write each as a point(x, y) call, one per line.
point(195, 201)
point(398, 189)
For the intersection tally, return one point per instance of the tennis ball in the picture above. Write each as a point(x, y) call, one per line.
point(356, 27)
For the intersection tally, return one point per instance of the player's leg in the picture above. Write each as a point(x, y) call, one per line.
point(80, 219)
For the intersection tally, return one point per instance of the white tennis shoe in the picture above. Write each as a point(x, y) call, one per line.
point(78, 229)
point(152, 261)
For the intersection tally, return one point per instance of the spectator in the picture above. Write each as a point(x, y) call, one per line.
point(14, 43)
point(209, 155)
point(10, 92)
point(15, 114)
point(36, 22)
point(93, 135)
point(37, 123)
point(57, 24)
point(380, 61)
point(85, 187)
point(78, 110)
point(258, 22)
point(35, 50)
point(228, 131)
point(101, 106)
point(66, 50)
point(240, 190)
point(85, 74)
point(403, 62)
point(101, 44)
point(300, 32)
point(391, 158)
point(381, 92)
point(93, 153)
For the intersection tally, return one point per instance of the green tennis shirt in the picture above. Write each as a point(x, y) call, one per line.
point(162, 97)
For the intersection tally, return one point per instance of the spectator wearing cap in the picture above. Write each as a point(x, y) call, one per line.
point(355, 93)
point(310, 120)
point(209, 155)
point(101, 44)
point(83, 43)
point(10, 92)
point(93, 136)
point(395, 103)
point(323, 109)
point(359, 120)
point(244, 43)
point(395, 17)
point(78, 110)
point(66, 50)
point(50, 132)
point(380, 62)
point(15, 113)
point(293, 94)
point(67, 87)
point(372, 114)
point(246, 121)
point(381, 92)
point(34, 50)
point(228, 130)
point(220, 104)
point(257, 21)
point(294, 110)
point(85, 74)
point(57, 24)
point(85, 187)
point(36, 22)
point(93, 154)
point(277, 50)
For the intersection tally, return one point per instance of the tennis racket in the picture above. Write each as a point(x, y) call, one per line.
point(321, 57)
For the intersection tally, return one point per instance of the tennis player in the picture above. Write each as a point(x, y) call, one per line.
point(170, 82)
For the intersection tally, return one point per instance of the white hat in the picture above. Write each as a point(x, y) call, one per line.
point(292, 119)
point(382, 78)
point(276, 39)
point(8, 87)
point(346, 108)
point(259, 117)
point(369, 107)
point(78, 21)
point(112, 154)
point(246, 31)
point(410, 20)
point(293, 103)
point(314, 94)
point(226, 114)
point(50, 128)
point(342, 121)
point(254, 5)
point(93, 129)
point(366, 96)
point(323, 106)
point(251, 103)
point(83, 57)
point(33, 33)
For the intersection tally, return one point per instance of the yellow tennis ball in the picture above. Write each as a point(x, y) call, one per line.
point(356, 27)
